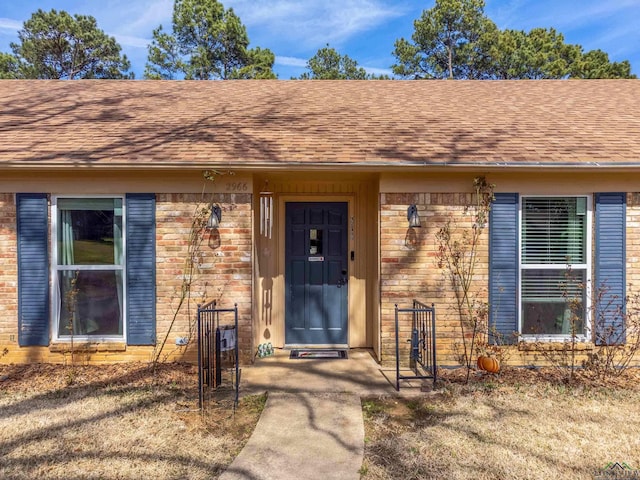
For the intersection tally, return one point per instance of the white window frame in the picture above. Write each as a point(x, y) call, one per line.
point(583, 337)
point(55, 292)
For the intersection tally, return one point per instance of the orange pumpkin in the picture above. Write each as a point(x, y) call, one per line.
point(488, 364)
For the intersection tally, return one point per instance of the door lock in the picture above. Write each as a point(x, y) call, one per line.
point(344, 279)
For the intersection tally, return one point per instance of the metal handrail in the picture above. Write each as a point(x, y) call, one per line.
point(209, 361)
point(208, 305)
point(422, 359)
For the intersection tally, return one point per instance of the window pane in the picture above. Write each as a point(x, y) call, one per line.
point(553, 301)
point(90, 231)
point(553, 230)
point(91, 301)
point(315, 241)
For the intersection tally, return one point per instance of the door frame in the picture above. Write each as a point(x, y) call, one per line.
point(325, 198)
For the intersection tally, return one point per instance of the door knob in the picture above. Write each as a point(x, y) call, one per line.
point(343, 280)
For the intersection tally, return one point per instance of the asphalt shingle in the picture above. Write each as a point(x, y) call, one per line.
point(176, 124)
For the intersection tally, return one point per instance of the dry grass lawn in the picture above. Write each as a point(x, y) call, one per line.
point(520, 425)
point(124, 422)
point(115, 422)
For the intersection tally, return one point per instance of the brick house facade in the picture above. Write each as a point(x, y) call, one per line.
point(368, 149)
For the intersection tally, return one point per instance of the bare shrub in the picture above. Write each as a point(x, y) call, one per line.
point(457, 256)
point(191, 265)
point(616, 333)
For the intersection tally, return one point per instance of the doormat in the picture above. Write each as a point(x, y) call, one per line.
point(324, 354)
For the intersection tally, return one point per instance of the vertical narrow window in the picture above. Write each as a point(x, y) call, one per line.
point(89, 266)
point(554, 265)
point(315, 241)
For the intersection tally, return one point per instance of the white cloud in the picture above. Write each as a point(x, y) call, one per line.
point(591, 13)
point(132, 23)
point(315, 22)
point(563, 16)
point(9, 25)
point(609, 25)
point(129, 41)
point(130, 20)
point(290, 61)
point(148, 15)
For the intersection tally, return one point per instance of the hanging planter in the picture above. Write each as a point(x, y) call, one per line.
point(488, 364)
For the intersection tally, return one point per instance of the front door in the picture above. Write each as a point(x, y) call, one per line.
point(316, 273)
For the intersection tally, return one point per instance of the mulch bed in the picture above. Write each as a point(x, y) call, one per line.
point(509, 376)
point(50, 377)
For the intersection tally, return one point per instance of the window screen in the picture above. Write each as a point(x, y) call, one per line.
point(553, 265)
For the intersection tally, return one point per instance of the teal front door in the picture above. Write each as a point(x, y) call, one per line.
point(316, 273)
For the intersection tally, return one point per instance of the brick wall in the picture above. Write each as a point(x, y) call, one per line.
point(633, 241)
point(409, 268)
point(633, 253)
point(223, 267)
point(8, 272)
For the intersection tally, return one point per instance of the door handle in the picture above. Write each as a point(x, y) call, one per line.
point(343, 280)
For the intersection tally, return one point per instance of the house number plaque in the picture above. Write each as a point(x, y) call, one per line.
point(237, 186)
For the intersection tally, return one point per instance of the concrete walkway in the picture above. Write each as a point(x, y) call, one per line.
point(312, 425)
point(359, 374)
point(304, 436)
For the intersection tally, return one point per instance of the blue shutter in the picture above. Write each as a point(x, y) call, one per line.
point(141, 269)
point(33, 269)
point(503, 266)
point(610, 268)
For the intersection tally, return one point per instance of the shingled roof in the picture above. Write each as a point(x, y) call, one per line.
point(358, 124)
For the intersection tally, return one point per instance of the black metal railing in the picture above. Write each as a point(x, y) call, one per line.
point(217, 347)
point(422, 355)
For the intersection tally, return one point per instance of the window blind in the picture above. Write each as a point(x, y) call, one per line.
point(553, 230)
point(556, 286)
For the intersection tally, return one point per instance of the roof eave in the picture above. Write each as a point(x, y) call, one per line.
point(318, 166)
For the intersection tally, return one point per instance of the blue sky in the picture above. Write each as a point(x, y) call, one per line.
point(363, 29)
